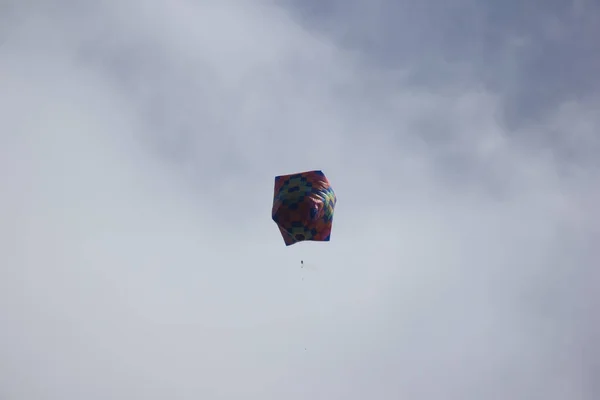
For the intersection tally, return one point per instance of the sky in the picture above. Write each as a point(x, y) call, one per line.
point(139, 142)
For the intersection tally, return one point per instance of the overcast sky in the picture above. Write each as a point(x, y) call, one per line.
point(139, 142)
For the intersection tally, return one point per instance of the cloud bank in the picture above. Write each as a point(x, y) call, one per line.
point(138, 146)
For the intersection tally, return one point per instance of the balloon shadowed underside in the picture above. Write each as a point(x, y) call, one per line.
point(303, 205)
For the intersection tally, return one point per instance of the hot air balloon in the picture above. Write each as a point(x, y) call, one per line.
point(303, 205)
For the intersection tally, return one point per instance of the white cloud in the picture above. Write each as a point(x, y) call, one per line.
point(138, 148)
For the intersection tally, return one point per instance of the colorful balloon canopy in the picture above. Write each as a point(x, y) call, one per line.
point(303, 205)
